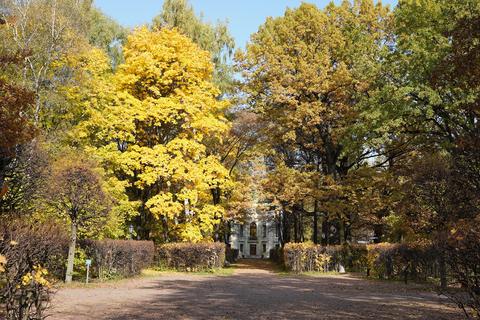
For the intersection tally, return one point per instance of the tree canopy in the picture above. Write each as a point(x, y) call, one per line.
point(355, 122)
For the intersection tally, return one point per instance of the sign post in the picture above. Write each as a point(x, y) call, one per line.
point(88, 262)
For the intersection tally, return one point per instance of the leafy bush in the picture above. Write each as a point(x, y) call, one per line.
point(118, 258)
point(231, 255)
point(79, 266)
point(186, 256)
point(462, 255)
point(305, 257)
point(353, 257)
point(375, 265)
point(32, 255)
point(276, 255)
point(415, 261)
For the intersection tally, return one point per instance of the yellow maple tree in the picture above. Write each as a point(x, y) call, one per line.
point(149, 124)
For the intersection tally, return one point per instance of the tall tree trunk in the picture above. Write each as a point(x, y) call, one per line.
point(143, 217)
point(286, 228)
point(315, 226)
point(216, 232)
point(165, 229)
point(442, 263)
point(216, 200)
point(71, 252)
point(348, 230)
point(442, 266)
point(279, 227)
point(228, 231)
point(348, 233)
point(378, 233)
point(325, 231)
point(341, 231)
point(301, 227)
point(295, 227)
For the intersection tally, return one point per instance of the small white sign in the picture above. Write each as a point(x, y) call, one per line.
point(88, 262)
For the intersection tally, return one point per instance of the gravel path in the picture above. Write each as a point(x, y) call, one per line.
point(252, 292)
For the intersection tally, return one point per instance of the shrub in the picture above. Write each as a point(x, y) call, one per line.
point(79, 267)
point(276, 255)
point(33, 255)
point(415, 261)
point(304, 257)
point(377, 259)
point(353, 257)
point(462, 255)
point(185, 256)
point(307, 257)
point(231, 255)
point(118, 258)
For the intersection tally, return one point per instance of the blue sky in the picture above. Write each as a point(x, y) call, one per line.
point(244, 16)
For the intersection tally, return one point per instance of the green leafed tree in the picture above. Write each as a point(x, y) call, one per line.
point(107, 34)
point(214, 38)
point(429, 89)
point(74, 190)
point(307, 75)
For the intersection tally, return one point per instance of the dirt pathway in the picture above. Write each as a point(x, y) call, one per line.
point(254, 291)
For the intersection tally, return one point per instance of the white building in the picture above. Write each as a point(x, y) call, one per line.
point(255, 238)
point(258, 233)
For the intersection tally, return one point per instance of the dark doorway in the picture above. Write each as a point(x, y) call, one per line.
point(253, 249)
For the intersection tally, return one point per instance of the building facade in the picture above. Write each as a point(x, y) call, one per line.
point(255, 238)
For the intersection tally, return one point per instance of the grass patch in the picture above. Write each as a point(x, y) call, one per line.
point(316, 274)
point(226, 271)
point(95, 282)
point(145, 273)
point(321, 274)
point(158, 272)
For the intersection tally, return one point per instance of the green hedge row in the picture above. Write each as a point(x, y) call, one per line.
point(191, 256)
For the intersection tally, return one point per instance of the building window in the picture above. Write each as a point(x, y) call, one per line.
point(264, 248)
point(241, 247)
point(241, 230)
point(264, 230)
point(253, 230)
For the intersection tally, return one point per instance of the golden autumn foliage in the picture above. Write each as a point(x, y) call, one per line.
point(307, 75)
point(36, 277)
point(149, 122)
point(3, 261)
point(348, 123)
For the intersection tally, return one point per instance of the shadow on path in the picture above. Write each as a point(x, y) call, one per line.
point(255, 292)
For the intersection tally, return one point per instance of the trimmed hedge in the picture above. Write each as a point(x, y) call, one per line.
point(384, 260)
point(118, 258)
point(305, 257)
point(414, 261)
point(185, 256)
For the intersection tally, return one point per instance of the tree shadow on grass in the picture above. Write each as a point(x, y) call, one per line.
point(268, 296)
